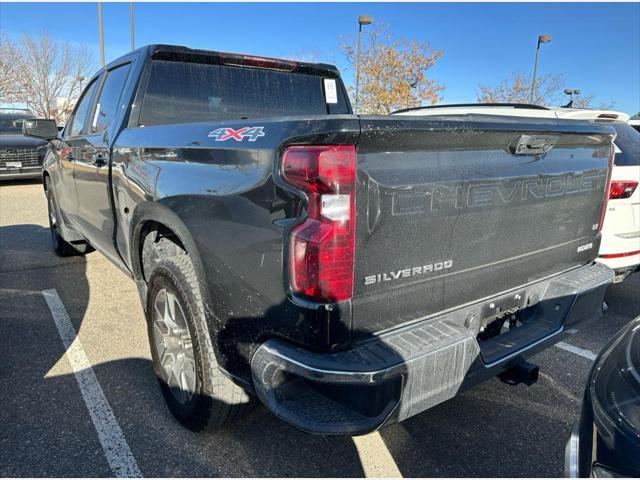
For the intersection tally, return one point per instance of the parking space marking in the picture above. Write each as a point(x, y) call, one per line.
point(114, 444)
point(588, 354)
point(375, 458)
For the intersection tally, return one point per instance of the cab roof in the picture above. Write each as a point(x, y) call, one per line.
point(182, 53)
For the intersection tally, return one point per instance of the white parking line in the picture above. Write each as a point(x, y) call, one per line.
point(113, 442)
point(375, 458)
point(588, 354)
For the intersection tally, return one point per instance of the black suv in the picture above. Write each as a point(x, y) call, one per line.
point(20, 156)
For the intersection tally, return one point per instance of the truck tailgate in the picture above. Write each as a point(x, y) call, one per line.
point(447, 214)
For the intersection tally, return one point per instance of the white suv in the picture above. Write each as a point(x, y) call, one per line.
point(620, 246)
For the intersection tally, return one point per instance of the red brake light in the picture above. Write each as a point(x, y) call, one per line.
point(258, 62)
point(622, 189)
point(607, 116)
point(620, 255)
point(321, 249)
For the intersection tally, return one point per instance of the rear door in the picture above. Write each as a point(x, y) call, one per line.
point(91, 168)
point(447, 214)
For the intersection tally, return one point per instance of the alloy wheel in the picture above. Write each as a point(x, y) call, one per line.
point(174, 346)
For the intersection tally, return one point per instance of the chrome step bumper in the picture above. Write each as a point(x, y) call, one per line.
point(401, 373)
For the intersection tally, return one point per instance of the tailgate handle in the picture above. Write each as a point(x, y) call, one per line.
point(533, 144)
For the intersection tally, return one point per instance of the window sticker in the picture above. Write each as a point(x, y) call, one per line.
point(330, 90)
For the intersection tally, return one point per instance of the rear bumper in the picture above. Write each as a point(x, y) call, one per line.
point(396, 375)
point(20, 173)
point(622, 266)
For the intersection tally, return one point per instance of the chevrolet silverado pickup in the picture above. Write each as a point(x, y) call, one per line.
point(350, 271)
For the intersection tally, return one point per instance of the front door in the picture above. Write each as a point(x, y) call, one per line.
point(73, 141)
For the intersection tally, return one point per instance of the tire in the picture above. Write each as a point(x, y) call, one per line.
point(211, 400)
point(59, 244)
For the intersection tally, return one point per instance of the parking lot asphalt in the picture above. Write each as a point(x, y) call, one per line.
point(48, 399)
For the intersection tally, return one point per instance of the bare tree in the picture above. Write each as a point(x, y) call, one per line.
point(549, 91)
point(392, 72)
point(49, 75)
point(9, 60)
point(518, 88)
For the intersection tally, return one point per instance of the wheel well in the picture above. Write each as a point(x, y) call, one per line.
point(45, 176)
point(156, 241)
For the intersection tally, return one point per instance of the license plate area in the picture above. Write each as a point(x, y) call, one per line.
point(512, 323)
point(13, 164)
point(508, 304)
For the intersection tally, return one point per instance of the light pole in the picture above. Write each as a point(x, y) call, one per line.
point(541, 39)
point(80, 79)
point(133, 43)
point(362, 20)
point(100, 34)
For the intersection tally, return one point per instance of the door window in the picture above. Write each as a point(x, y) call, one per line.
point(109, 103)
point(80, 115)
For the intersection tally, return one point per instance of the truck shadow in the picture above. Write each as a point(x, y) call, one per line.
point(31, 349)
point(28, 264)
point(257, 445)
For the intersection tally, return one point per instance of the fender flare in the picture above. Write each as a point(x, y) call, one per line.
point(159, 213)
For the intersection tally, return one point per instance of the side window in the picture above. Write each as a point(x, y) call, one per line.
point(80, 115)
point(108, 104)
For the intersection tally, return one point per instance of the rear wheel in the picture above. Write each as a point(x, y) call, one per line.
point(197, 393)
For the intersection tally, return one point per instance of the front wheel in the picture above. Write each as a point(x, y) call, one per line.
point(59, 244)
point(197, 393)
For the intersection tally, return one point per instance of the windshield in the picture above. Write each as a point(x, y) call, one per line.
point(628, 142)
point(12, 123)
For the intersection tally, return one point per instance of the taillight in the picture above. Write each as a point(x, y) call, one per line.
point(622, 189)
point(620, 255)
point(605, 200)
point(321, 249)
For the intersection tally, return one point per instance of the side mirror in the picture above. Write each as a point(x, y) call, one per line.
point(40, 128)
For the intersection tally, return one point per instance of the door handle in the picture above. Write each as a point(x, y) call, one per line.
point(533, 144)
point(99, 160)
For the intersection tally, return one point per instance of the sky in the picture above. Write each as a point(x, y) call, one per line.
point(595, 46)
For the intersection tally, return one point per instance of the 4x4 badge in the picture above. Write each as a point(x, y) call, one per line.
point(223, 134)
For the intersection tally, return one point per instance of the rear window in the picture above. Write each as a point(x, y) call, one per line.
point(180, 92)
point(628, 142)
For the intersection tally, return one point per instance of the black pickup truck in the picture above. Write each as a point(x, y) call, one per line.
point(349, 271)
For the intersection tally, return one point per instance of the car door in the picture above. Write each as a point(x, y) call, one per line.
point(92, 166)
point(72, 142)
